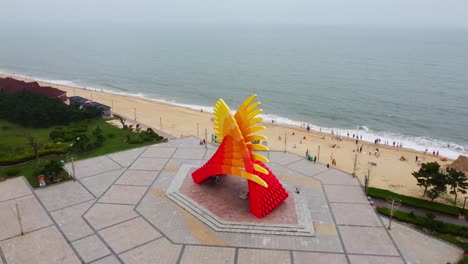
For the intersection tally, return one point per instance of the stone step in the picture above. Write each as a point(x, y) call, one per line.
point(223, 223)
point(192, 203)
point(216, 225)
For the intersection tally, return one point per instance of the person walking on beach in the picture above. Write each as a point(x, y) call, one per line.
point(307, 153)
point(334, 162)
point(315, 159)
point(360, 149)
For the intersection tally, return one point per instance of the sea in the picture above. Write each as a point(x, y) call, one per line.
point(402, 84)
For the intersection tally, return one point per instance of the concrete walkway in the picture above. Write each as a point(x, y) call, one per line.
point(118, 212)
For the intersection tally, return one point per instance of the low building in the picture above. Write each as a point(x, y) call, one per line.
point(86, 103)
point(12, 86)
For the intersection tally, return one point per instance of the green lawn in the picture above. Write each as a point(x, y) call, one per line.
point(11, 139)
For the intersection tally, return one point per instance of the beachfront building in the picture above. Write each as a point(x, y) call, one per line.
point(86, 103)
point(12, 86)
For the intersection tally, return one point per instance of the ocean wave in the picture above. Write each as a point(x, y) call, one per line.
point(448, 149)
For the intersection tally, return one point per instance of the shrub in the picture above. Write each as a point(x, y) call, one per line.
point(111, 135)
point(78, 129)
point(427, 222)
point(59, 140)
point(45, 150)
point(136, 140)
point(416, 202)
point(56, 134)
point(68, 136)
point(12, 172)
point(52, 171)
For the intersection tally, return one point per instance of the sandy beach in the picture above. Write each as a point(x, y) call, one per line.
point(390, 173)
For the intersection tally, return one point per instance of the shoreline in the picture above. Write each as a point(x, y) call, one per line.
point(390, 173)
point(446, 148)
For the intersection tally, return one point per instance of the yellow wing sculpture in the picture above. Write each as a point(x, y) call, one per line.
point(241, 129)
point(238, 134)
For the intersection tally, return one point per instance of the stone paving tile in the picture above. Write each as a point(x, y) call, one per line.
point(91, 248)
point(372, 240)
point(336, 177)
point(123, 194)
point(44, 246)
point(136, 177)
point(345, 194)
point(357, 259)
point(129, 234)
point(32, 214)
point(209, 153)
point(13, 188)
point(417, 247)
point(154, 152)
point(355, 214)
point(307, 167)
point(160, 251)
point(62, 195)
point(104, 215)
point(283, 158)
point(208, 255)
point(166, 216)
point(248, 256)
point(70, 221)
point(125, 158)
point(318, 258)
point(182, 153)
point(98, 184)
point(154, 164)
point(108, 260)
point(93, 166)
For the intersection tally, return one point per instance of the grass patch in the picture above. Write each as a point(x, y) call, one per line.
point(11, 136)
point(416, 202)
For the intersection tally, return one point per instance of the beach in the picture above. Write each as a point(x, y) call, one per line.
point(389, 171)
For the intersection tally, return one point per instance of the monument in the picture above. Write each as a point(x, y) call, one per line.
point(235, 156)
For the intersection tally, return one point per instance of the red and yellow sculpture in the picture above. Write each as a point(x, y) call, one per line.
point(235, 156)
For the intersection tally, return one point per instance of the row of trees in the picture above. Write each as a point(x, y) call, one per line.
point(435, 182)
point(35, 110)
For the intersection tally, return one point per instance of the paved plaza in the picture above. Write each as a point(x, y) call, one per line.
point(138, 206)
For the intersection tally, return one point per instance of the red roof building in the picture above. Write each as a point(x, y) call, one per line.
point(12, 85)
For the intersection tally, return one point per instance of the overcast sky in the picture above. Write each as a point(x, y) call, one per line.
point(316, 12)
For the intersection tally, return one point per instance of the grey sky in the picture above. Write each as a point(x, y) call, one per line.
point(323, 12)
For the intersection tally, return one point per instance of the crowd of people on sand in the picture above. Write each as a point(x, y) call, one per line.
point(359, 147)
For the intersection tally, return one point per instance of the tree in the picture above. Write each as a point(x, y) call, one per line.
point(32, 141)
point(438, 185)
point(457, 181)
point(425, 173)
point(122, 121)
